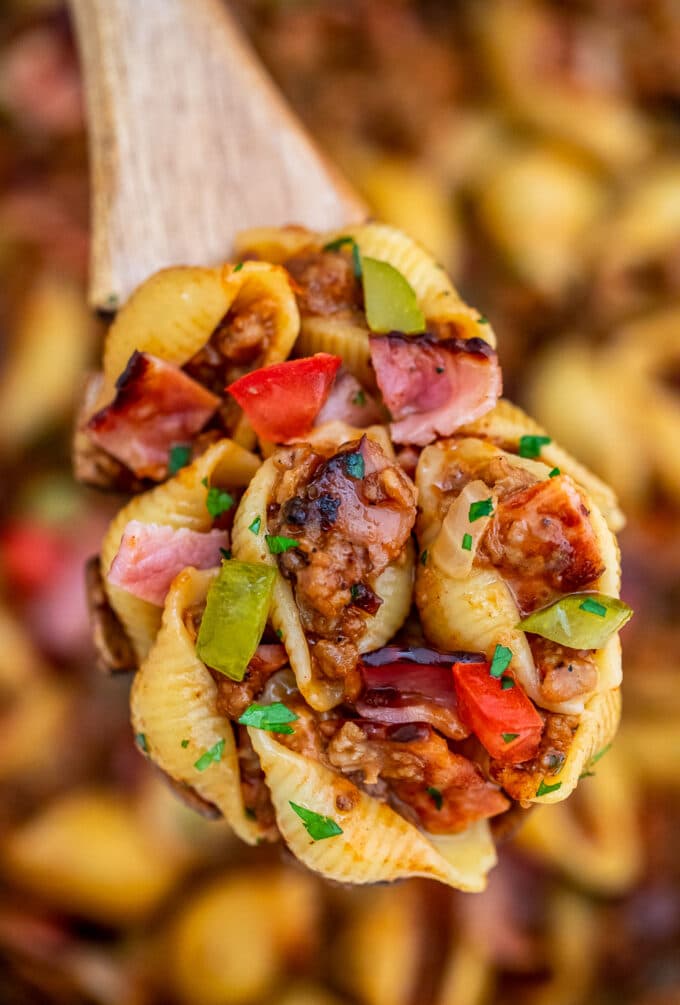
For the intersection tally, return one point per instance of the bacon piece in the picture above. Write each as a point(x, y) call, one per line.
point(432, 386)
point(541, 540)
point(156, 406)
point(151, 555)
point(348, 402)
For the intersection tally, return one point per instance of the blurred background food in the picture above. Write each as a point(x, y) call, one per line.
point(534, 147)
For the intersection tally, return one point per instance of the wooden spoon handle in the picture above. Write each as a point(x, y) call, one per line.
point(190, 142)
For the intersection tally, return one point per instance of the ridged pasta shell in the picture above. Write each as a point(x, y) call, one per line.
point(341, 337)
point(174, 313)
point(599, 845)
point(394, 585)
point(376, 843)
point(178, 502)
point(506, 423)
point(173, 699)
point(479, 612)
point(274, 244)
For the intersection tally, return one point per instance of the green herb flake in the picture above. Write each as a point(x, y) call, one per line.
point(140, 740)
point(500, 661)
point(339, 243)
point(482, 320)
point(479, 509)
point(184, 744)
point(593, 607)
point(318, 827)
point(277, 543)
point(544, 789)
point(467, 542)
point(359, 398)
point(509, 737)
point(218, 501)
point(423, 558)
point(178, 457)
point(274, 718)
point(237, 268)
point(507, 683)
point(355, 466)
point(225, 553)
point(554, 473)
point(279, 633)
point(211, 756)
point(586, 774)
point(530, 446)
point(254, 527)
point(439, 369)
point(250, 814)
point(436, 796)
point(596, 757)
point(356, 261)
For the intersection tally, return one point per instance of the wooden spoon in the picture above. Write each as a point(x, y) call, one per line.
point(190, 142)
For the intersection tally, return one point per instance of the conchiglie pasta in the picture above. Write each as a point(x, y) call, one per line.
point(479, 612)
point(178, 502)
point(376, 844)
point(173, 701)
point(249, 544)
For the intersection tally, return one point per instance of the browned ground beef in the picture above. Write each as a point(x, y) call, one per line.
point(521, 781)
point(326, 283)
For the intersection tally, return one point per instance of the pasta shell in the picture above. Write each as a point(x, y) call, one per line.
point(479, 612)
point(506, 423)
point(340, 337)
point(376, 844)
point(173, 699)
point(178, 502)
point(394, 585)
point(599, 845)
point(174, 313)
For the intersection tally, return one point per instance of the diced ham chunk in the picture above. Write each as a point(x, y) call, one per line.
point(348, 402)
point(151, 555)
point(155, 407)
point(432, 386)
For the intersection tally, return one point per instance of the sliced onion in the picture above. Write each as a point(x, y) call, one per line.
point(447, 551)
point(403, 692)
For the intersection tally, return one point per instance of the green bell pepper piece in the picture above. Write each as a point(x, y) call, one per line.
point(579, 620)
point(390, 301)
point(235, 616)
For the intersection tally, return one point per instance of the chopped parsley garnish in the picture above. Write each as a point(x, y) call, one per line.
point(277, 543)
point(354, 465)
point(274, 718)
point(423, 558)
point(509, 737)
point(254, 527)
point(500, 661)
point(554, 473)
point(178, 457)
point(279, 633)
point(596, 757)
point(467, 542)
point(237, 268)
point(586, 774)
point(359, 398)
point(544, 789)
point(218, 501)
point(211, 756)
point(140, 740)
point(593, 607)
point(439, 369)
point(479, 509)
point(184, 744)
point(339, 243)
point(436, 796)
point(225, 553)
point(482, 320)
point(317, 826)
point(507, 683)
point(355, 591)
point(530, 446)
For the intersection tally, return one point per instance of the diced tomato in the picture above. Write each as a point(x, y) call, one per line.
point(32, 554)
point(504, 721)
point(282, 401)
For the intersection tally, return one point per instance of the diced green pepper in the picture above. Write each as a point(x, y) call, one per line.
point(390, 301)
point(235, 615)
point(579, 620)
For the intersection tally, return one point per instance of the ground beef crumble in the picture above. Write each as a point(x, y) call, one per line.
point(521, 781)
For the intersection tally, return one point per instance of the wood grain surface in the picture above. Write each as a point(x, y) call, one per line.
point(190, 142)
